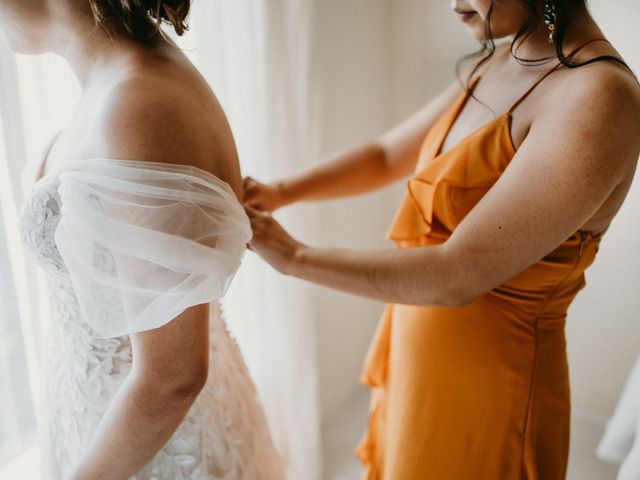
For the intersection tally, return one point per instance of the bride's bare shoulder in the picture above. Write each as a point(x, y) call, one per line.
point(162, 115)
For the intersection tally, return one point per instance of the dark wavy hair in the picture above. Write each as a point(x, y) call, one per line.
point(563, 9)
point(142, 19)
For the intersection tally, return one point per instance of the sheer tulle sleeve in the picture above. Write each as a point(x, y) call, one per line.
point(144, 241)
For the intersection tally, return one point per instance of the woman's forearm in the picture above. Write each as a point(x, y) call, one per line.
point(412, 276)
point(357, 171)
point(141, 418)
point(429, 275)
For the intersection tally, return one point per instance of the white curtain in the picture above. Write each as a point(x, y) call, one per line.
point(19, 304)
point(255, 55)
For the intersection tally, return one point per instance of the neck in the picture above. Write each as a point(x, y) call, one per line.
point(83, 51)
point(88, 48)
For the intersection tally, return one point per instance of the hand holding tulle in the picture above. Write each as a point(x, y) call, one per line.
point(262, 196)
point(271, 241)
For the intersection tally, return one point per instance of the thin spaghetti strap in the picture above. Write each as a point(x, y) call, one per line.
point(556, 67)
point(532, 88)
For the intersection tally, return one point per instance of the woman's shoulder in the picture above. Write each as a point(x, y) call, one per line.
point(163, 114)
point(606, 89)
point(601, 72)
point(142, 113)
point(596, 106)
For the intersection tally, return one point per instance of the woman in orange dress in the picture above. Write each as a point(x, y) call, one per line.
point(502, 216)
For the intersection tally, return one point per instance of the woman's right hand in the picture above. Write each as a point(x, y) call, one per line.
point(262, 196)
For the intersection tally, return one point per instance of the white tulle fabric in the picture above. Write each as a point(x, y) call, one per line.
point(128, 245)
point(143, 242)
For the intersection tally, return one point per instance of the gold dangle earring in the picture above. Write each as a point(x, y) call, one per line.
point(550, 19)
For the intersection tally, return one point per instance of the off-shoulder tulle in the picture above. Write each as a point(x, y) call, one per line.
point(143, 241)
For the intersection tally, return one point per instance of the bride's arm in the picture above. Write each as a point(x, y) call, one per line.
point(169, 363)
point(169, 370)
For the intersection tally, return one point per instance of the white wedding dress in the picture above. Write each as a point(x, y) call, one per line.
point(127, 246)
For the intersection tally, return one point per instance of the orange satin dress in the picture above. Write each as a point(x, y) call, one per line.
point(479, 392)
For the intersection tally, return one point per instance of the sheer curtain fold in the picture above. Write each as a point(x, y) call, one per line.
point(19, 311)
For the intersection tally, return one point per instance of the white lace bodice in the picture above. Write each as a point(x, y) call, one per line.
point(224, 435)
point(38, 221)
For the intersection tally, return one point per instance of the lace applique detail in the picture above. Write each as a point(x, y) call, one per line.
point(38, 221)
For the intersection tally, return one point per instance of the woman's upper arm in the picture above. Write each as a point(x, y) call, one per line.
point(149, 119)
point(175, 356)
point(573, 157)
point(402, 143)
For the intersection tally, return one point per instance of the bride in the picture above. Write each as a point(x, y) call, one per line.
point(135, 216)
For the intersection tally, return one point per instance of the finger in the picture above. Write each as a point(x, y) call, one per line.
point(247, 181)
point(252, 213)
point(249, 194)
point(249, 199)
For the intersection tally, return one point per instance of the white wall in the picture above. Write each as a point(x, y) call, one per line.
point(427, 43)
point(353, 74)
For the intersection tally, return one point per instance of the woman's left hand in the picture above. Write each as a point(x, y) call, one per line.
point(271, 241)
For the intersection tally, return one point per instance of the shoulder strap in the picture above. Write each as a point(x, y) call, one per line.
point(556, 67)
